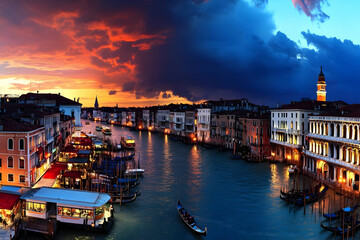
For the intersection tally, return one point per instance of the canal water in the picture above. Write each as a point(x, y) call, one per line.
point(235, 199)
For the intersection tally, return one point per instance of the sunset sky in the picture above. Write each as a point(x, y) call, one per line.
point(149, 52)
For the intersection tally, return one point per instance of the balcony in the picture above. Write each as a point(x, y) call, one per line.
point(285, 143)
point(332, 160)
point(334, 139)
point(289, 131)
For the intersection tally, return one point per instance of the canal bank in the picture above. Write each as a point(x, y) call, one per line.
point(233, 198)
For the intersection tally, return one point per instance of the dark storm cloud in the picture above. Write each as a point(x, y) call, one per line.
point(198, 49)
point(112, 92)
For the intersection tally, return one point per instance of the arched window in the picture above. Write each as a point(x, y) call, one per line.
point(21, 163)
point(10, 144)
point(10, 162)
point(72, 113)
point(21, 144)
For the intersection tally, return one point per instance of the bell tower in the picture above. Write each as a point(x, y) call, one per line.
point(321, 87)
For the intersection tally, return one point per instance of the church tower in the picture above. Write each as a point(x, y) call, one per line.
point(321, 87)
point(96, 105)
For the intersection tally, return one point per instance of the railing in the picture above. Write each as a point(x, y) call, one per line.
point(336, 139)
point(285, 143)
point(332, 160)
point(291, 131)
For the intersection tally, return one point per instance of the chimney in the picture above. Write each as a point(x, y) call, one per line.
point(59, 94)
point(37, 91)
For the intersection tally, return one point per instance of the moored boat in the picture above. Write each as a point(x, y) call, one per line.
point(134, 172)
point(311, 197)
point(128, 142)
point(292, 169)
point(341, 213)
point(189, 220)
point(341, 226)
point(98, 128)
point(106, 130)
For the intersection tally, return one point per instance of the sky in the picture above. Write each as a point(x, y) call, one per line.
point(150, 52)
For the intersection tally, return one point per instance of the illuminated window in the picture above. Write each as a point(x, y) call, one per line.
point(75, 212)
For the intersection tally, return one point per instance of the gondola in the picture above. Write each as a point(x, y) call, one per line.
point(312, 197)
point(342, 225)
point(124, 200)
point(189, 220)
point(293, 194)
point(341, 213)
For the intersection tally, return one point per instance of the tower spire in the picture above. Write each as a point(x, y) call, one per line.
point(96, 105)
point(321, 87)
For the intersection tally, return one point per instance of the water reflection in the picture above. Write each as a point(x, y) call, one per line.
point(166, 166)
point(194, 178)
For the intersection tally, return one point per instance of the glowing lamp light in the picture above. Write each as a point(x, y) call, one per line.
point(194, 139)
point(288, 157)
point(140, 127)
point(272, 154)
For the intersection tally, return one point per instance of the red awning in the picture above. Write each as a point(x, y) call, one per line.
point(72, 174)
point(8, 201)
point(54, 170)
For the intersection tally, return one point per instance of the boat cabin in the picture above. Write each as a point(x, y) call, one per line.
point(68, 206)
point(128, 142)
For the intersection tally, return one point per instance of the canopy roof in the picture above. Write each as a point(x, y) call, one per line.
point(67, 197)
point(72, 174)
point(8, 200)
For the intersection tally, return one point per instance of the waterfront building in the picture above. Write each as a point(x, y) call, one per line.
point(177, 122)
point(257, 136)
point(190, 125)
point(146, 119)
point(60, 103)
point(97, 114)
point(66, 130)
point(22, 153)
point(162, 120)
point(333, 152)
point(123, 120)
point(290, 124)
point(234, 104)
point(203, 124)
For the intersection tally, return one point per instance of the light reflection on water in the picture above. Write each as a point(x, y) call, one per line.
point(233, 198)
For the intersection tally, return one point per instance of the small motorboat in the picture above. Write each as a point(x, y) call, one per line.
point(87, 123)
point(98, 128)
point(134, 172)
point(189, 220)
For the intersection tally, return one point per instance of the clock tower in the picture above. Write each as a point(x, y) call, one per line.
point(321, 87)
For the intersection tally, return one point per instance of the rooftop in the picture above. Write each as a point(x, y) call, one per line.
point(67, 196)
point(60, 100)
point(11, 125)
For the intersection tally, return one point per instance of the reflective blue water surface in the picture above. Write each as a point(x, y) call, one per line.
point(233, 198)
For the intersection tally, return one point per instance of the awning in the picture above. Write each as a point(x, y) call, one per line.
point(72, 174)
point(77, 160)
point(8, 201)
